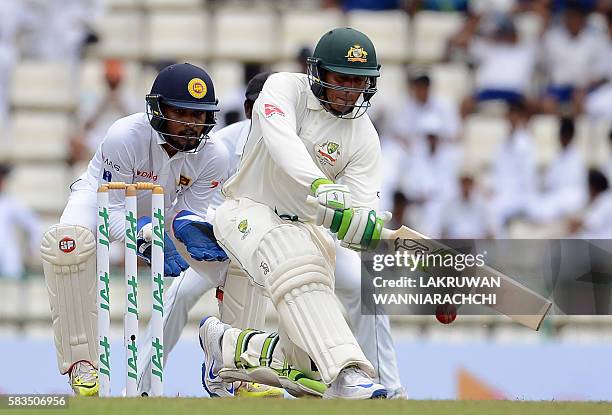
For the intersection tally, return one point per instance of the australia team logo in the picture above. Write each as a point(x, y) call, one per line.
point(328, 153)
point(356, 54)
point(244, 228)
point(197, 88)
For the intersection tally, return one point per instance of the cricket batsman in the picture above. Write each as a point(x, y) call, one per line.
point(310, 136)
point(168, 145)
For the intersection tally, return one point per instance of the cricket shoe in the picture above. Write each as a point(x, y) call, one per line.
point(210, 334)
point(399, 393)
point(257, 390)
point(84, 379)
point(353, 383)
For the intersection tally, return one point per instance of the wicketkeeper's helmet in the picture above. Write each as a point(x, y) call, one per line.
point(182, 86)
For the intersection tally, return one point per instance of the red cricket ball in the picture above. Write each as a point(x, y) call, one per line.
point(446, 313)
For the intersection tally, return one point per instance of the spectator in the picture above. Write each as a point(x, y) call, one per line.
point(99, 114)
point(513, 173)
point(467, 215)
point(429, 175)
point(504, 66)
point(570, 52)
point(413, 6)
point(304, 53)
point(13, 216)
point(598, 101)
point(348, 5)
point(596, 220)
point(422, 105)
point(563, 190)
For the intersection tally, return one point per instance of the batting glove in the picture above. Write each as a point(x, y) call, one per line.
point(198, 237)
point(361, 228)
point(333, 200)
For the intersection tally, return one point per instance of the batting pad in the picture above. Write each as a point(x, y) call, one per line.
point(244, 304)
point(300, 286)
point(69, 264)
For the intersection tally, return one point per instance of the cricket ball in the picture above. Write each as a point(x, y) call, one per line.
point(446, 313)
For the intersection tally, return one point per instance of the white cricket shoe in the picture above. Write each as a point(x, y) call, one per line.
point(353, 383)
point(211, 333)
point(399, 393)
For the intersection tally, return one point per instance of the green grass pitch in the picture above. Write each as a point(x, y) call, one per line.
point(195, 406)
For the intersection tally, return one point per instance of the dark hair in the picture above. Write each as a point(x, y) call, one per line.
point(566, 128)
point(576, 6)
point(5, 169)
point(419, 77)
point(518, 105)
point(598, 181)
point(399, 198)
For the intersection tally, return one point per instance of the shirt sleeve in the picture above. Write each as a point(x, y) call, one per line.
point(276, 111)
point(203, 191)
point(362, 173)
point(118, 166)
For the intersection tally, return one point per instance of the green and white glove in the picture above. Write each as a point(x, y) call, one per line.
point(361, 228)
point(333, 200)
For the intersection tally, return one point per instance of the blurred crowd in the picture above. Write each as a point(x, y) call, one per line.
point(564, 71)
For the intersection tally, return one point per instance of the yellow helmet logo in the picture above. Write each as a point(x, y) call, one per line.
point(197, 88)
point(356, 54)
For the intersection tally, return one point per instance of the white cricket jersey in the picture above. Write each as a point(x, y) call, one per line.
point(294, 141)
point(233, 137)
point(132, 152)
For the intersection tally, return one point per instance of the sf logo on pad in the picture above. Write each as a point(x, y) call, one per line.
point(67, 245)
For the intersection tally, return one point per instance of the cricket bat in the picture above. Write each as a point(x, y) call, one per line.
point(509, 295)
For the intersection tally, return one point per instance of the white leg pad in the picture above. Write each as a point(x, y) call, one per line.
point(301, 288)
point(244, 304)
point(69, 264)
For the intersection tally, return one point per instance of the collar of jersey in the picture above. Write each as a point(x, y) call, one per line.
point(312, 102)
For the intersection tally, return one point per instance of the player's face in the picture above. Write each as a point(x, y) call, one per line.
point(343, 101)
point(184, 123)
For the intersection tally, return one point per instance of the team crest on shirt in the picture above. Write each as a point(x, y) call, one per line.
point(356, 54)
point(328, 153)
point(184, 181)
point(197, 88)
point(244, 228)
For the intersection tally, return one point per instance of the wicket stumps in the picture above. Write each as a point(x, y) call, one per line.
point(131, 287)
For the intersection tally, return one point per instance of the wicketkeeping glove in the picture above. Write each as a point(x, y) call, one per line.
point(174, 263)
point(198, 237)
point(361, 228)
point(333, 199)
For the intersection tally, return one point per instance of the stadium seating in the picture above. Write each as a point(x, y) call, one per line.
point(431, 32)
point(482, 135)
point(299, 28)
point(121, 35)
point(389, 31)
point(40, 136)
point(451, 80)
point(41, 186)
point(178, 36)
point(42, 85)
point(261, 43)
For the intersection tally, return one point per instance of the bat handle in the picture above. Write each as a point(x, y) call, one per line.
point(386, 234)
